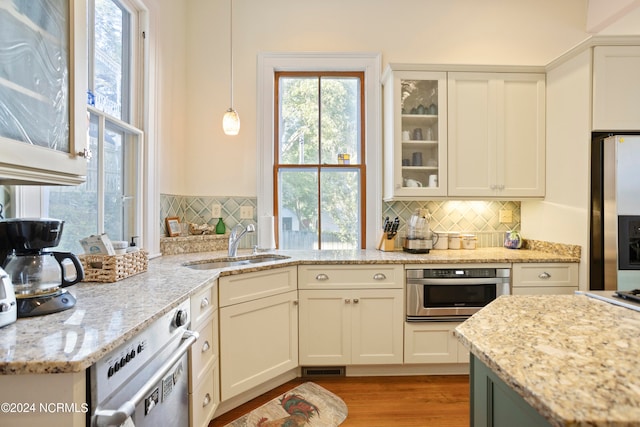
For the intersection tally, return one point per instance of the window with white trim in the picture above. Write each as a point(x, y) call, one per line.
point(369, 64)
point(110, 201)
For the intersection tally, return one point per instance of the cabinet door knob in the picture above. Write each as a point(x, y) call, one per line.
point(379, 276)
point(347, 301)
point(206, 400)
point(544, 275)
point(356, 300)
point(322, 277)
point(295, 302)
point(204, 303)
point(206, 346)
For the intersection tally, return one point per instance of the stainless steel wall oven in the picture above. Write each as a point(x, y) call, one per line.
point(445, 294)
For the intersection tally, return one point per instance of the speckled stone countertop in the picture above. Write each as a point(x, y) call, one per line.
point(572, 358)
point(108, 314)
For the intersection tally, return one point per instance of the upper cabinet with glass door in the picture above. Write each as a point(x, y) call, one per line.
point(415, 133)
point(43, 77)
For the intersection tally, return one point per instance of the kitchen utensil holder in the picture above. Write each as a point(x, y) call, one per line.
point(111, 268)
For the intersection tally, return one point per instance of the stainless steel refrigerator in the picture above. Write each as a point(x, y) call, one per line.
point(615, 212)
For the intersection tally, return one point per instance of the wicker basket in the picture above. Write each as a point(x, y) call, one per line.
point(111, 268)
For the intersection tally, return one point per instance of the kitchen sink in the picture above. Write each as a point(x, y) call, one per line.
point(233, 262)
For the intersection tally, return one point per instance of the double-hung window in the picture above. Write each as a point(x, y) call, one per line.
point(319, 167)
point(110, 201)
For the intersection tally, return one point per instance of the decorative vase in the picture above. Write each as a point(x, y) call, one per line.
point(220, 228)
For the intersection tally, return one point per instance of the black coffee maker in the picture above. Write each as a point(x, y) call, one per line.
point(38, 275)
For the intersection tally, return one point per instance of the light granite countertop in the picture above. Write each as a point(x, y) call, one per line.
point(571, 357)
point(108, 314)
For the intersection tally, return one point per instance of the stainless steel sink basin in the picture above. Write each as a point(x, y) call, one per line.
point(233, 262)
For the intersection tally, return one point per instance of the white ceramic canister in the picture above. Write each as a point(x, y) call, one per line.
point(469, 241)
point(454, 240)
point(443, 240)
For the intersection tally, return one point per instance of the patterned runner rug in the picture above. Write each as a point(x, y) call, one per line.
point(307, 405)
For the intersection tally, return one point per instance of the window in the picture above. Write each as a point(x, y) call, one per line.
point(111, 198)
point(371, 133)
point(319, 167)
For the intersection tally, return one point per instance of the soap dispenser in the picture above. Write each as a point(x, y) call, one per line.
point(220, 228)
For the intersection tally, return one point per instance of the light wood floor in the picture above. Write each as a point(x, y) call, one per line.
point(408, 401)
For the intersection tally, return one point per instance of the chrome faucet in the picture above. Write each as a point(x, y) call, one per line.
point(234, 237)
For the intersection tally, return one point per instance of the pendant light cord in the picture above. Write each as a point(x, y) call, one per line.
point(231, 50)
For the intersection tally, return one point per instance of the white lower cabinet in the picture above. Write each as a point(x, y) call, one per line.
point(259, 336)
point(204, 381)
point(341, 326)
point(433, 342)
point(544, 278)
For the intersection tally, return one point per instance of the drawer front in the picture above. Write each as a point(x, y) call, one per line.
point(203, 304)
point(544, 290)
point(204, 400)
point(245, 287)
point(350, 276)
point(204, 352)
point(560, 274)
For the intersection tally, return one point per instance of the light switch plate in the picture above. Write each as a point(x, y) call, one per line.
point(506, 216)
point(246, 212)
point(216, 210)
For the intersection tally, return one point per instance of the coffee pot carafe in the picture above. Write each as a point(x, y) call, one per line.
point(42, 272)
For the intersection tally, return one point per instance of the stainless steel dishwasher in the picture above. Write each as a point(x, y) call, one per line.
point(146, 378)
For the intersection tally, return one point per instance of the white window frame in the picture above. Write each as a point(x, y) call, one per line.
point(268, 64)
point(30, 201)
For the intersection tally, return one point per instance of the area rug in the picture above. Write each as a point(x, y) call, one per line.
point(307, 405)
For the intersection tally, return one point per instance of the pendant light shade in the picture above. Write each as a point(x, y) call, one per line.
point(231, 122)
point(231, 119)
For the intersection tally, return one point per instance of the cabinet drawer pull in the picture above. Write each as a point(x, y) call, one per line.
point(356, 300)
point(204, 303)
point(206, 346)
point(206, 400)
point(544, 275)
point(322, 277)
point(379, 276)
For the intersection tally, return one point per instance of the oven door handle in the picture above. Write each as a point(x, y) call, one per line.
point(110, 417)
point(453, 281)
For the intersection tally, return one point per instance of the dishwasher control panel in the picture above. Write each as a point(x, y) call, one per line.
point(139, 352)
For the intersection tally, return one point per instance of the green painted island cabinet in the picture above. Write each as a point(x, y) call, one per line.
point(495, 404)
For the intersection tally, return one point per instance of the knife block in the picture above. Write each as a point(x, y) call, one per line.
point(388, 245)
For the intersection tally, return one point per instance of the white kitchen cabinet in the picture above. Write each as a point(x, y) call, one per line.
point(46, 94)
point(258, 328)
point(415, 133)
point(350, 315)
point(496, 134)
point(204, 378)
point(616, 88)
point(544, 278)
point(345, 327)
point(433, 342)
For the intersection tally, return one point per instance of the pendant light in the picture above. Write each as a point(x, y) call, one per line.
point(231, 119)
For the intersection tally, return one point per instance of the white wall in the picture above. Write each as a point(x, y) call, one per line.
point(417, 31)
point(169, 91)
point(563, 216)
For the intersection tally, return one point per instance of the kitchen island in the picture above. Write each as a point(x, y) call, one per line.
point(562, 360)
